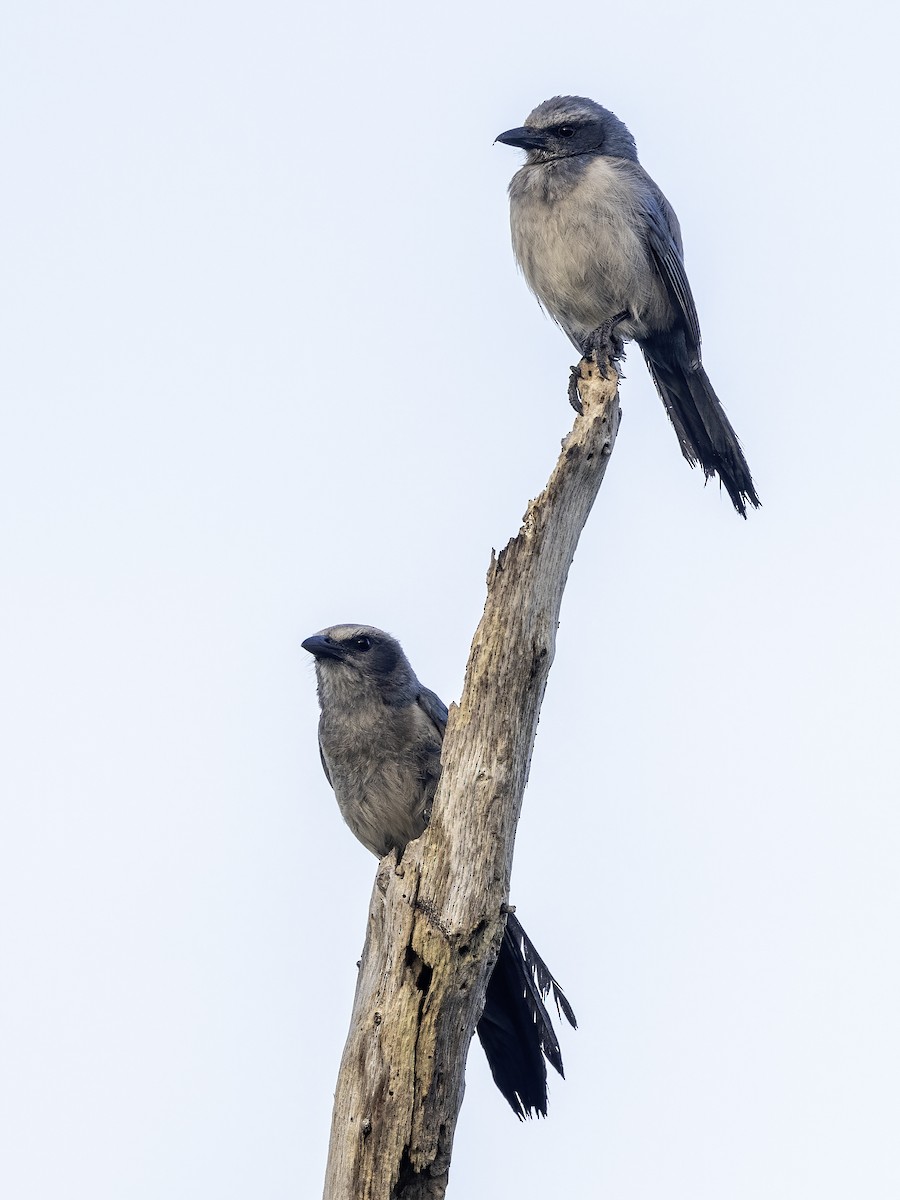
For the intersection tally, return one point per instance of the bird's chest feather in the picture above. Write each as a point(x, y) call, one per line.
point(378, 764)
point(578, 237)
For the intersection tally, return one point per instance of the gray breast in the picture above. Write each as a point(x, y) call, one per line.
point(385, 777)
point(578, 236)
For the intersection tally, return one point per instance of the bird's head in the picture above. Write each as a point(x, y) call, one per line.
point(569, 126)
point(355, 660)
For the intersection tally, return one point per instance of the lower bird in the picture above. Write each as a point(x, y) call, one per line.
point(600, 247)
point(380, 735)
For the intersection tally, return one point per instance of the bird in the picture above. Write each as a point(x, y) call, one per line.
point(380, 736)
point(600, 246)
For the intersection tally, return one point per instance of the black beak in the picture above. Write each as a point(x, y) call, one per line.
point(321, 647)
point(524, 138)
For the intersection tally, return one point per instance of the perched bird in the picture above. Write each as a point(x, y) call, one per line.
point(600, 247)
point(380, 734)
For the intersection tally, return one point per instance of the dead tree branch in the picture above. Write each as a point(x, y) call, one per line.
point(436, 917)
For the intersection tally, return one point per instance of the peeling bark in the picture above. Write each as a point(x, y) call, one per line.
point(436, 917)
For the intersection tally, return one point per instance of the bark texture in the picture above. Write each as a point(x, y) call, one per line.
point(437, 916)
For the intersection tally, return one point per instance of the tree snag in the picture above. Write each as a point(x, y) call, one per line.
point(437, 916)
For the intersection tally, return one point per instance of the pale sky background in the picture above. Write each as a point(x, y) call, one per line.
point(267, 365)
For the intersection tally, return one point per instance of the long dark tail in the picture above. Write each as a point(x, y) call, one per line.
point(703, 430)
point(515, 1028)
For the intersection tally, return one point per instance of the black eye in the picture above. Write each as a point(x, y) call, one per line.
point(566, 131)
point(361, 643)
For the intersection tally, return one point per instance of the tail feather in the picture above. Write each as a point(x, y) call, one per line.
point(704, 432)
point(515, 1028)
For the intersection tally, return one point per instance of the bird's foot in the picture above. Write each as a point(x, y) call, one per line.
point(574, 397)
point(603, 349)
point(605, 345)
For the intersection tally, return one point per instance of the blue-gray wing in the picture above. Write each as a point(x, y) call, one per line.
point(436, 711)
point(664, 239)
point(324, 764)
point(433, 708)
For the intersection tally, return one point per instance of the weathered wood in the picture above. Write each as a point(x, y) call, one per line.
point(436, 917)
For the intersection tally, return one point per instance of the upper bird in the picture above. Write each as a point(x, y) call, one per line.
point(380, 735)
point(600, 246)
